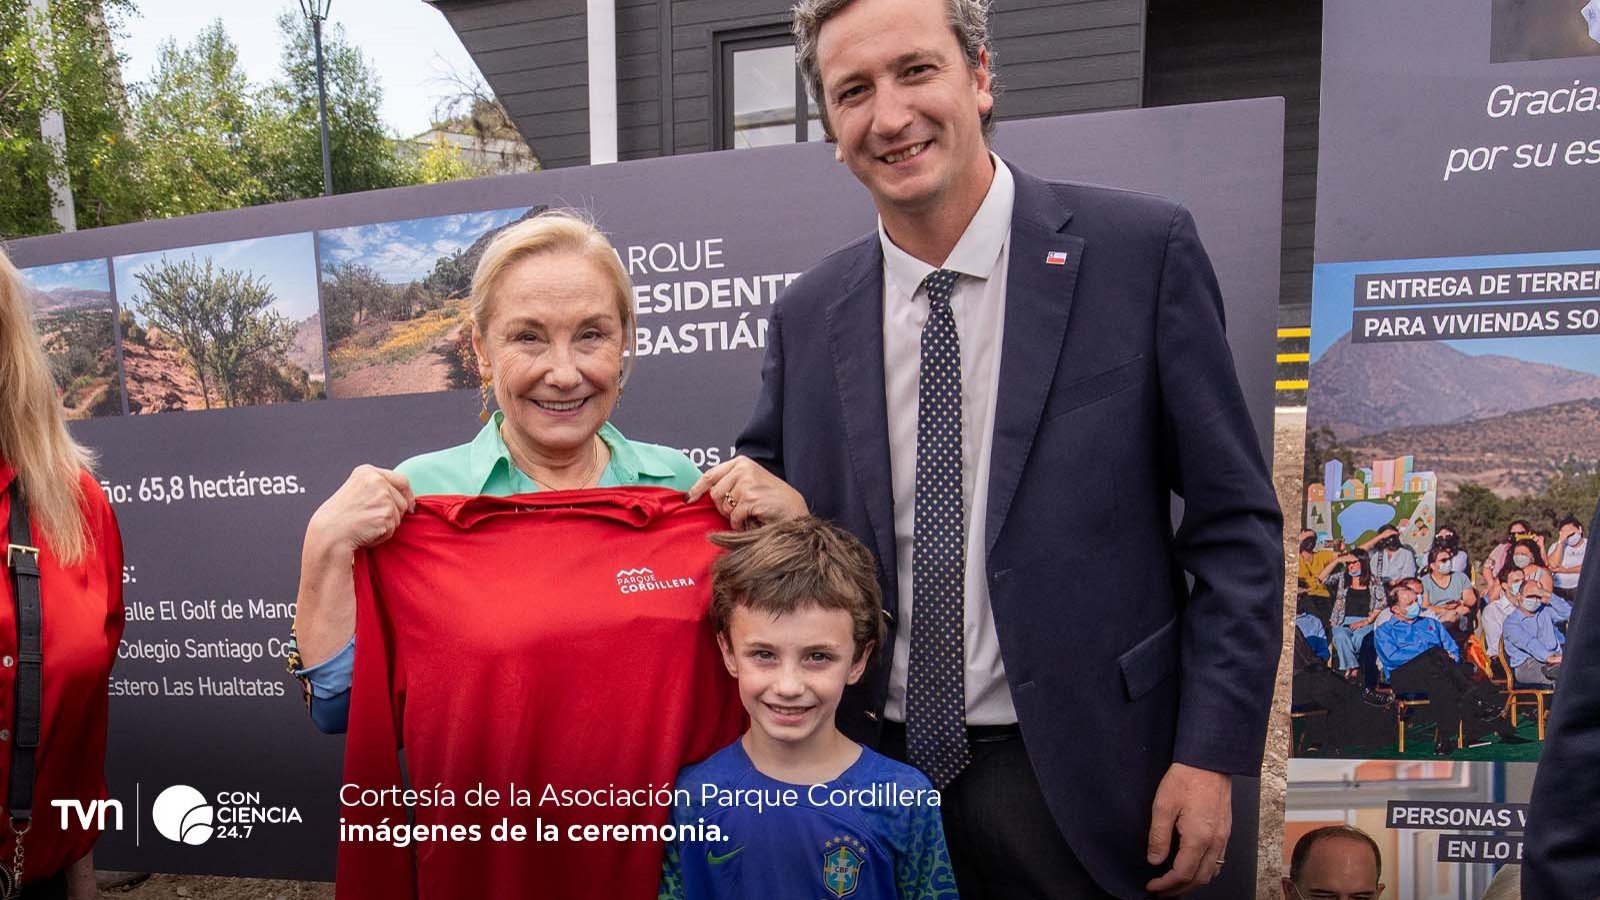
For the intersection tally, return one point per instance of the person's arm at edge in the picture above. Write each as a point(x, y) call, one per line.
point(108, 544)
point(1563, 835)
point(365, 510)
point(325, 618)
point(1230, 539)
point(326, 601)
point(1230, 542)
point(762, 437)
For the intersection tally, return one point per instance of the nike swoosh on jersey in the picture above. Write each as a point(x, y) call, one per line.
point(716, 860)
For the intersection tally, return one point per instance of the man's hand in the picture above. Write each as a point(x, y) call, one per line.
point(748, 494)
point(1199, 803)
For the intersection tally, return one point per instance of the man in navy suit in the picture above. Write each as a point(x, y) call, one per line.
point(998, 391)
point(1563, 839)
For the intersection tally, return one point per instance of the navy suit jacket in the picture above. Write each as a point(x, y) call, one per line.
point(1117, 389)
point(1563, 837)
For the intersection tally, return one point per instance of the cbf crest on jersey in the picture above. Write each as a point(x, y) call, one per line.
point(842, 858)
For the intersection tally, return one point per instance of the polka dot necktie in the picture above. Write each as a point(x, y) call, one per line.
point(936, 717)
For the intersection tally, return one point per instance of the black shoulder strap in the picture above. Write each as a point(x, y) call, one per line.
point(22, 558)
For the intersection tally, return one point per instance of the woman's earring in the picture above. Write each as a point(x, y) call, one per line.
point(483, 391)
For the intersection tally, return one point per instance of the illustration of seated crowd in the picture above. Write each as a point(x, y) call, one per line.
point(1385, 640)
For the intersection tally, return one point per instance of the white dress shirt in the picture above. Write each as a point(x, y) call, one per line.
point(978, 305)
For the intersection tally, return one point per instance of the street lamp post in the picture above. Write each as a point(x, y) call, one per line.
point(317, 11)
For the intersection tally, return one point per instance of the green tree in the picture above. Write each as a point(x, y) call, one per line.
point(442, 162)
point(65, 62)
point(350, 292)
point(224, 321)
point(196, 116)
point(1572, 491)
point(288, 139)
point(451, 276)
point(1478, 516)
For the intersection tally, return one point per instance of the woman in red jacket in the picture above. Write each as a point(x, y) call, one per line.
point(60, 619)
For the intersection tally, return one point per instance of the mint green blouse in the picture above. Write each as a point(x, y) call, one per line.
point(484, 466)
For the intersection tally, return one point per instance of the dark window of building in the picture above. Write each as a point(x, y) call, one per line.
point(1234, 49)
point(760, 90)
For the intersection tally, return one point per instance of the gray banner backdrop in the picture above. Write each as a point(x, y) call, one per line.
point(775, 211)
point(1403, 85)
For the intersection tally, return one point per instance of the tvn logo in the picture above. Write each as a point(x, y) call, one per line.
point(93, 814)
point(183, 815)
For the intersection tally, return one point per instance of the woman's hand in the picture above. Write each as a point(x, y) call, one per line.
point(364, 511)
point(748, 494)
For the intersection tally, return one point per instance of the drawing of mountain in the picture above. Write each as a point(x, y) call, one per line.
point(1363, 389)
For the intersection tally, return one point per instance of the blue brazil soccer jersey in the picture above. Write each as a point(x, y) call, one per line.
point(873, 833)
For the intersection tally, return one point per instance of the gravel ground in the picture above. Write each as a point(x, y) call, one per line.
point(121, 885)
point(1288, 455)
point(1288, 452)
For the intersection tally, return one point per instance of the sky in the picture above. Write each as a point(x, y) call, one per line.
point(285, 261)
point(85, 275)
point(407, 43)
point(1333, 303)
point(406, 250)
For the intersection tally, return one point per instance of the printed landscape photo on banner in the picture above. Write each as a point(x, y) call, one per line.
point(76, 318)
point(1419, 814)
point(395, 296)
point(1544, 29)
point(1453, 428)
point(221, 325)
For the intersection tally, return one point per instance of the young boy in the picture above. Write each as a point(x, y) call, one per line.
point(804, 812)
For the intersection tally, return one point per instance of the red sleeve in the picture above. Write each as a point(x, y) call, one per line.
point(370, 868)
point(107, 536)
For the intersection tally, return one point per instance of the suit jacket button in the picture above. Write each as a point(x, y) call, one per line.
point(872, 715)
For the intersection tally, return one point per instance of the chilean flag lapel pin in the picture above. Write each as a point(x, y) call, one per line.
point(1055, 258)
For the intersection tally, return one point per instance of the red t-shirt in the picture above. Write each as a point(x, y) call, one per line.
point(82, 618)
point(554, 641)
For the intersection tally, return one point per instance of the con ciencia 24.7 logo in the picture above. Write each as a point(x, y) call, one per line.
point(184, 815)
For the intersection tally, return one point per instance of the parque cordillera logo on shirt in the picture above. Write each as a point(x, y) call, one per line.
point(644, 578)
point(842, 858)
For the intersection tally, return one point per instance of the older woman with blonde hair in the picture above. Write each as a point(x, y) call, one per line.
point(552, 330)
point(60, 620)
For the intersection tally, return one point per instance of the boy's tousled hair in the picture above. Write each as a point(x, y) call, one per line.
point(788, 566)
